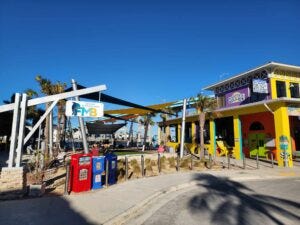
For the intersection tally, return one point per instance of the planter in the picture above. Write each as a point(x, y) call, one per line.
point(36, 190)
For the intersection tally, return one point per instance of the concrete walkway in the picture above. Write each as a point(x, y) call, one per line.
point(118, 203)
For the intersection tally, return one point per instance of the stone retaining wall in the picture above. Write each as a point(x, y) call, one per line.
point(12, 183)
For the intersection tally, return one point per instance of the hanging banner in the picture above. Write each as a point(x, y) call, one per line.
point(260, 86)
point(84, 109)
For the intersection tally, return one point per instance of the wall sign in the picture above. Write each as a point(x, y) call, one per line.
point(84, 109)
point(236, 97)
point(260, 86)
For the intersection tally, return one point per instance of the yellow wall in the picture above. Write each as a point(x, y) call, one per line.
point(286, 76)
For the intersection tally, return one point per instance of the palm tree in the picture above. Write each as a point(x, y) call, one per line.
point(146, 121)
point(203, 104)
point(32, 112)
point(48, 88)
point(61, 119)
point(164, 117)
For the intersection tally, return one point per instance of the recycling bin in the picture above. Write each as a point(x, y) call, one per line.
point(112, 161)
point(98, 170)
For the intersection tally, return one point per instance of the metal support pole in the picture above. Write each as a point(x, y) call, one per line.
point(244, 161)
point(106, 173)
point(15, 127)
point(178, 162)
point(272, 160)
point(51, 133)
point(21, 130)
point(81, 123)
point(183, 128)
point(126, 167)
point(257, 161)
point(159, 163)
point(143, 165)
point(192, 164)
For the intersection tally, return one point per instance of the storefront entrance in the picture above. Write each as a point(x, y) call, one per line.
point(257, 144)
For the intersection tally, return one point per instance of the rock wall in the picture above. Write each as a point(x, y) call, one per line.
point(12, 183)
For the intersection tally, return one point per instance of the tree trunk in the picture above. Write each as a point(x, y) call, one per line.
point(201, 124)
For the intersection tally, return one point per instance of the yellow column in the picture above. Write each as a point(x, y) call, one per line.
point(179, 133)
point(283, 137)
point(212, 134)
point(237, 137)
point(273, 88)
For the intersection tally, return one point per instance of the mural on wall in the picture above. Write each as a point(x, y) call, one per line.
point(283, 145)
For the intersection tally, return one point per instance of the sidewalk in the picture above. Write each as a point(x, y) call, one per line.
point(116, 203)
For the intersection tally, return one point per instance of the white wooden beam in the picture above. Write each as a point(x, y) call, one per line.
point(15, 127)
point(38, 124)
point(21, 130)
point(51, 98)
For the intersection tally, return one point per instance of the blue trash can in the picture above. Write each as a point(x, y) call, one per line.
point(112, 161)
point(98, 169)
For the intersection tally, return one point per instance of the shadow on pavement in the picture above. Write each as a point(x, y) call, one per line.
point(52, 211)
point(229, 202)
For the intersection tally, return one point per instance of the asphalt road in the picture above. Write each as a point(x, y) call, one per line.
point(226, 202)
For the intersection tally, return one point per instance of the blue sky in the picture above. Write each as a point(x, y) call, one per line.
point(145, 51)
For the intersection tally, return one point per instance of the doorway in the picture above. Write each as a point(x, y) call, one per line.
point(257, 144)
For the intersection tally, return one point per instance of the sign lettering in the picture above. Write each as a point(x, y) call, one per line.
point(84, 109)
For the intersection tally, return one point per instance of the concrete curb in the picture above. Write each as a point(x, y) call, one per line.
point(140, 207)
point(132, 212)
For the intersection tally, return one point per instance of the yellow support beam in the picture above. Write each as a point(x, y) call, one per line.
point(283, 137)
point(237, 137)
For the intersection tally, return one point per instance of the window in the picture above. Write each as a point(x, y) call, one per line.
point(188, 132)
point(221, 101)
point(294, 89)
point(173, 133)
point(280, 87)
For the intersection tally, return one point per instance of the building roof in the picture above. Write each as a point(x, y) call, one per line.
point(269, 65)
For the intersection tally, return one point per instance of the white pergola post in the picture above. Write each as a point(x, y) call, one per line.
point(18, 125)
point(51, 133)
point(21, 130)
point(15, 126)
point(183, 128)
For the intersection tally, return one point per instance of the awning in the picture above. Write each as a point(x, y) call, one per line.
point(98, 127)
point(139, 111)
